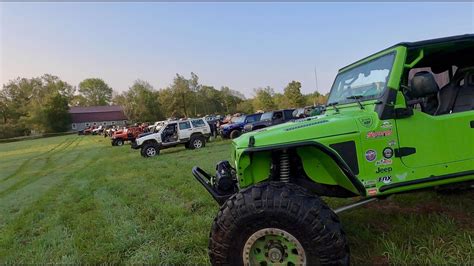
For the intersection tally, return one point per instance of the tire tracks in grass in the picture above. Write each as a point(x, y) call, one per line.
point(48, 167)
point(22, 229)
point(25, 163)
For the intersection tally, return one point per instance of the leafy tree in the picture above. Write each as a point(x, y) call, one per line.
point(181, 93)
point(23, 102)
point(230, 99)
point(293, 95)
point(263, 99)
point(280, 101)
point(246, 107)
point(316, 98)
point(95, 91)
point(140, 102)
point(57, 114)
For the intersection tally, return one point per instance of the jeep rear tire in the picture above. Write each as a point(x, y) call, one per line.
point(119, 142)
point(149, 150)
point(197, 142)
point(234, 134)
point(277, 223)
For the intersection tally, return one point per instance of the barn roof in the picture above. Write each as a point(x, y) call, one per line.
point(95, 109)
point(97, 114)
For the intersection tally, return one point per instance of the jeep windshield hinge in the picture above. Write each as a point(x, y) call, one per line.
point(403, 112)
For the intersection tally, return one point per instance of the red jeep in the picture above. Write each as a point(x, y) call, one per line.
point(130, 134)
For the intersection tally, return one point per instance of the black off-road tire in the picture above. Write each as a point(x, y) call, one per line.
point(278, 205)
point(234, 134)
point(119, 142)
point(113, 143)
point(144, 150)
point(197, 139)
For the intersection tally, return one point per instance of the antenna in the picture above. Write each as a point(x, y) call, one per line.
point(316, 78)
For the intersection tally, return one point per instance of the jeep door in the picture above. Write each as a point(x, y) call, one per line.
point(184, 130)
point(436, 139)
point(277, 118)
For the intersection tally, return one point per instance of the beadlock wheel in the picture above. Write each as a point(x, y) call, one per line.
point(273, 245)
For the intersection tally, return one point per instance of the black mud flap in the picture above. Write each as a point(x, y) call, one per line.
point(205, 180)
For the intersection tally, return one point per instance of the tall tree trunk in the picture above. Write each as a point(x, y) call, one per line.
point(184, 105)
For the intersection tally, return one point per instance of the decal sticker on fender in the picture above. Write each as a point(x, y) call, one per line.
point(402, 177)
point(386, 179)
point(383, 170)
point(370, 155)
point(383, 162)
point(372, 191)
point(369, 183)
point(366, 121)
point(388, 153)
point(386, 124)
point(379, 134)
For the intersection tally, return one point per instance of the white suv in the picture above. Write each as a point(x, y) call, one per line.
point(193, 133)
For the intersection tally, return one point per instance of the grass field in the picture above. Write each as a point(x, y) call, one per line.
point(77, 199)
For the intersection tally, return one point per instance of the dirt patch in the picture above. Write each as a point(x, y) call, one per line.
point(379, 260)
point(390, 207)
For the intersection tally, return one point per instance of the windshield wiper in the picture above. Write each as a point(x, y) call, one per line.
point(357, 98)
point(333, 104)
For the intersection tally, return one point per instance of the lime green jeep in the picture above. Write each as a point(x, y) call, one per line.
point(397, 121)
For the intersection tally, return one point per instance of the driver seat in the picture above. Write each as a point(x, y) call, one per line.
point(424, 89)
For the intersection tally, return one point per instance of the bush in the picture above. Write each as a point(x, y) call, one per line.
point(13, 130)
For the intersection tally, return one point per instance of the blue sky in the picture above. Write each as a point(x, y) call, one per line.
point(240, 45)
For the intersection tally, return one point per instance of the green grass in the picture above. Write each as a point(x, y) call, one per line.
point(77, 199)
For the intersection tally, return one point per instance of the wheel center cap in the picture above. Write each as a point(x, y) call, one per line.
point(275, 254)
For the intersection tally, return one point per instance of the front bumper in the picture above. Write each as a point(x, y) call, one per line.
point(134, 145)
point(225, 133)
point(205, 180)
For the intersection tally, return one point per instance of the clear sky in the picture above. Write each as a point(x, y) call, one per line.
point(240, 45)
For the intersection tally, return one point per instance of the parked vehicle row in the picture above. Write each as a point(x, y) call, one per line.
point(240, 123)
point(192, 133)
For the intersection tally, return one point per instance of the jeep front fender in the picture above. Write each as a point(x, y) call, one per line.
point(321, 164)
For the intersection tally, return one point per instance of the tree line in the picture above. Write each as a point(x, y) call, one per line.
point(41, 104)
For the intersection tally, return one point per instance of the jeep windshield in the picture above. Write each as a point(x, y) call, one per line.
point(367, 81)
point(238, 119)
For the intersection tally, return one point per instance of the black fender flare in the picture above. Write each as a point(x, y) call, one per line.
point(328, 151)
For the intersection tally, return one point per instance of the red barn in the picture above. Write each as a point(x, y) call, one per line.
point(83, 117)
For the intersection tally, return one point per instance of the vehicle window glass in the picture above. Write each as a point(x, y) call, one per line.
point(278, 115)
point(368, 81)
point(253, 118)
point(184, 125)
point(198, 123)
point(238, 119)
point(267, 116)
point(441, 78)
point(289, 114)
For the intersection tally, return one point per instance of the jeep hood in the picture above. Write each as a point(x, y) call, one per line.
point(144, 134)
point(305, 129)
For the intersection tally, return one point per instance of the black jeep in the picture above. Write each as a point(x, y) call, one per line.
point(271, 118)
